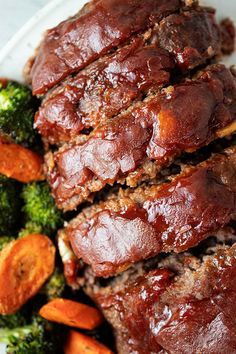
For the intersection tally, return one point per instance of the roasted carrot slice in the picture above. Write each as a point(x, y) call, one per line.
point(71, 313)
point(20, 163)
point(25, 264)
point(78, 343)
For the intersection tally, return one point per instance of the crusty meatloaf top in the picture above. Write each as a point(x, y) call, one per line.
point(130, 87)
point(141, 223)
point(99, 27)
point(182, 306)
point(182, 117)
point(111, 84)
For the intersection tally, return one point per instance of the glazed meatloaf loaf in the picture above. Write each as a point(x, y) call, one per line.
point(111, 84)
point(135, 145)
point(173, 216)
point(181, 304)
point(138, 120)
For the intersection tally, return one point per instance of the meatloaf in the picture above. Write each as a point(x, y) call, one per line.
point(184, 304)
point(135, 145)
point(173, 216)
point(98, 28)
point(137, 117)
point(111, 84)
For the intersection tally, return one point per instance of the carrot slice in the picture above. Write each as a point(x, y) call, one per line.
point(20, 163)
point(78, 343)
point(25, 264)
point(71, 313)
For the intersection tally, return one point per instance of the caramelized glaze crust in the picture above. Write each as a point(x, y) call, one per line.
point(172, 217)
point(192, 312)
point(111, 84)
point(99, 27)
point(183, 117)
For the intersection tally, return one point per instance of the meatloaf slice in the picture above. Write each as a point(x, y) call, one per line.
point(110, 85)
point(136, 144)
point(141, 223)
point(102, 90)
point(99, 27)
point(184, 305)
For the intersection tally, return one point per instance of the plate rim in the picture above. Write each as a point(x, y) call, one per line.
point(12, 42)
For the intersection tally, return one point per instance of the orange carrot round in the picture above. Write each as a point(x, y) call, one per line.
point(71, 313)
point(25, 265)
point(78, 343)
point(20, 163)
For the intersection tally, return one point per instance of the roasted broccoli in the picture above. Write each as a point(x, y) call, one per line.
point(40, 208)
point(18, 319)
point(55, 286)
point(9, 206)
point(30, 228)
point(38, 337)
point(17, 109)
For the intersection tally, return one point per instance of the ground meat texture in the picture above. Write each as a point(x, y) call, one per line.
point(99, 27)
point(192, 37)
point(181, 118)
point(112, 83)
point(188, 312)
point(171, 217)
point(227, 36)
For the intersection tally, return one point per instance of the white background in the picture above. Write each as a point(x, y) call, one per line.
point(14, 14)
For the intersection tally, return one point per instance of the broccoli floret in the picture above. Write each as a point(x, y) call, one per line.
point(30, 228)
point(55, 286)
point(17, 109)
point(9, 206)
point(35, 338)
point(12, 321)
point(40, 207)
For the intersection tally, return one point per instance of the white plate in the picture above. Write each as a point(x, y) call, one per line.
point(22, 45)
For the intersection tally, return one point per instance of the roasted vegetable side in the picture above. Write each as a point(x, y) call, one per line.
point(9, 206)
point(25, 265)
point(17, 109)
point(55, 286)
point(40, 209)
point(36, 337)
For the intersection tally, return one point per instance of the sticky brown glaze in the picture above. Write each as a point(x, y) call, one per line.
point(102, 91)
point(181, 118)
point(192, 37)
point(98, 28)
point(190, 313)
point(136, 305)
point(111, 84)
point(172, 217)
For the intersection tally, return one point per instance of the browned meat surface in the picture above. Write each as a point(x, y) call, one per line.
point(182, 306)
point(102, 91)
point(110, 85)
point(99, 27)
point(192, 37)
point(227, 36)
point(141, 223)
point(181, 118)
